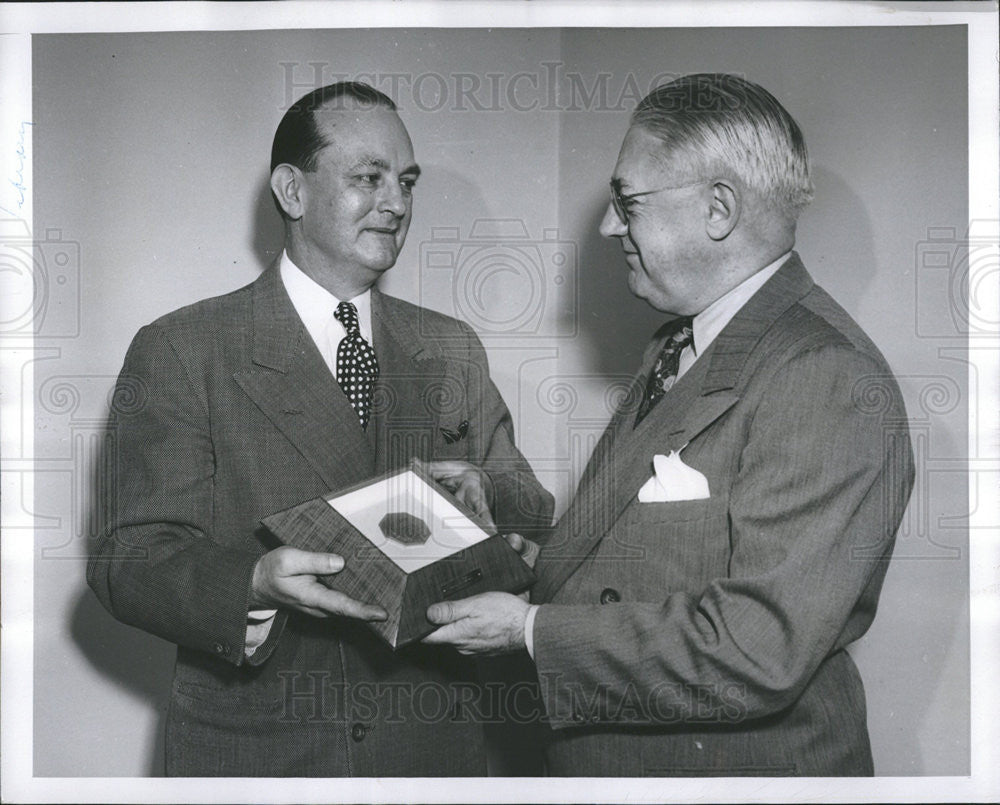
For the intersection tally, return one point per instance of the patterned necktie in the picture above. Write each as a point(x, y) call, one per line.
point(357, 368)
point(665, 370)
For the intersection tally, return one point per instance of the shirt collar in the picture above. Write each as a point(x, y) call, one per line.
point(316, 305)
point(711, 321)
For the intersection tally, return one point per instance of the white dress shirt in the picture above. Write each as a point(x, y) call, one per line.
point(315, 306)
point(706, 326)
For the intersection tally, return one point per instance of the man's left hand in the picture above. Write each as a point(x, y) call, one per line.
point(486, 624)
point(526, 549)
point(467, 482)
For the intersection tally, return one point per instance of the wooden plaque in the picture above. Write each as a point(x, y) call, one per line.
point(407, 543)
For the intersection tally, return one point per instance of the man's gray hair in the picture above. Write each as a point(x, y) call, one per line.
point(724, 121)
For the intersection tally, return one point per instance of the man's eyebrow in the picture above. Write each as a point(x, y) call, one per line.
point(372, 162)
point(381, 164)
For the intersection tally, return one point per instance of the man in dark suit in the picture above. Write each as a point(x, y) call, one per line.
point(730, 536)
point(307, 380)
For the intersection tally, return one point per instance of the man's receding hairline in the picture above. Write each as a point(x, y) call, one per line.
point(337, 106)
point(325, 123)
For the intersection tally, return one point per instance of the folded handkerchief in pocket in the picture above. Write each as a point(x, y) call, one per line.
point(673, 480)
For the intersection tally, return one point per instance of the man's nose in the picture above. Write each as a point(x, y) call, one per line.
point(392, 199)
point(611, 225)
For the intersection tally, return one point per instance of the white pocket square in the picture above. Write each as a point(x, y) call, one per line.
point(673, 480)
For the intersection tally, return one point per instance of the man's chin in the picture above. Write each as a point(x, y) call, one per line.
point(635, 284)
point(382, 260)
point(380, 268)
point(642, 290)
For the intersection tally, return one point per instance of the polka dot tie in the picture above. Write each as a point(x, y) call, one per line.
point(357, 369)
point(664, 373)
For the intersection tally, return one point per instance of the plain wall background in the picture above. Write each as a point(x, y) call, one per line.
point(151, 154)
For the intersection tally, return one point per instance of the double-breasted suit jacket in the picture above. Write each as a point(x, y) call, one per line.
point(225, 413)
point(709, 636)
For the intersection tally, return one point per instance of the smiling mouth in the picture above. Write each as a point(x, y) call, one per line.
point(384, 230)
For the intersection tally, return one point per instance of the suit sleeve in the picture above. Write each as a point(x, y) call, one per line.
point(157, 565)
point(520, 503)
point(819, 492)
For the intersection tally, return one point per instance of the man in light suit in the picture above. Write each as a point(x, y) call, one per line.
point(307, 380)
point(731, 533)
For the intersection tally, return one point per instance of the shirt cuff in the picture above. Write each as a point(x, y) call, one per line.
point(529, 628)
point(258, 626)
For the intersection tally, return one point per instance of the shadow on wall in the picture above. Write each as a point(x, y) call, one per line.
point(926, 635)
point(267, 228)
point(838, 214)
point(139, 665)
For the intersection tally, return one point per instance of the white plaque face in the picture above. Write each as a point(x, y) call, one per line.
point(406, 493)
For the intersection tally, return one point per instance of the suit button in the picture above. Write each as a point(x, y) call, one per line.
point(609, 595)
point(222, 648)
point(358, 732)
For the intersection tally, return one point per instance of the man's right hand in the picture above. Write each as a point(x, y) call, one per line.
point(287, 577)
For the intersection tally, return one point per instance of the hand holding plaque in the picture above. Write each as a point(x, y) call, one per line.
point(288, 577)
point(407, 543)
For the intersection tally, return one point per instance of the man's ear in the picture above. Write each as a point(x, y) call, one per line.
point(725, 206)
point(288, 189)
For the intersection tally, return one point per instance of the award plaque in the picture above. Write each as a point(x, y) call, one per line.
point(407, 543)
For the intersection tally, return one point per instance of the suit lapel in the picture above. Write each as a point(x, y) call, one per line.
point(406, 408)
point(587, 506)
point(709, 389)
point(621, 421)
point(291, 385)
point(625, 463)
point(682, 414)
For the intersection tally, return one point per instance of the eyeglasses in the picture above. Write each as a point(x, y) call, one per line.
point(620, 201)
